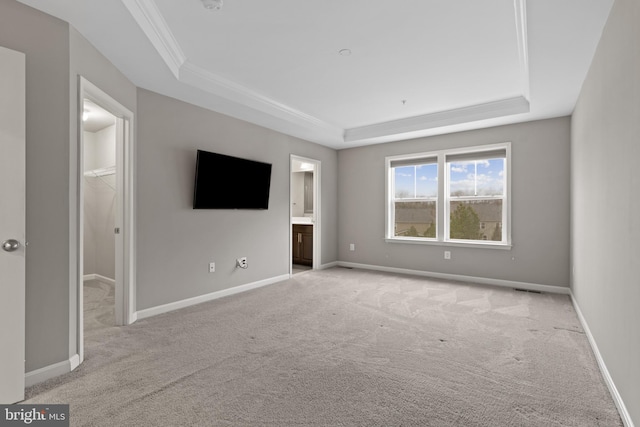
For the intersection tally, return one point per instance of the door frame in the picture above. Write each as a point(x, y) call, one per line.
point(317, 211)
point(125, 214)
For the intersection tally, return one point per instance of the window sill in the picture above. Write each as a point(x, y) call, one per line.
point(450, 243)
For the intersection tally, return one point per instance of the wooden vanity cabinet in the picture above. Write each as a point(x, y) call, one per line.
point(303, 244)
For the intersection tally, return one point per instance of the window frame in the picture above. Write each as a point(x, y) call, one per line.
point(443, 198)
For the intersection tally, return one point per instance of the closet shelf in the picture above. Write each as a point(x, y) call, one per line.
point(111, 170)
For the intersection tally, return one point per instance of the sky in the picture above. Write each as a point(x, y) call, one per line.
point(475, 178)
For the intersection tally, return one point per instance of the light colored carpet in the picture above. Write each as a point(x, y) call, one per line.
point(99, 306)
point(297, 268)
point(345, 347)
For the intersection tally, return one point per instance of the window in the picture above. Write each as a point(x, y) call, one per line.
point(450, 196)
point(415, 197)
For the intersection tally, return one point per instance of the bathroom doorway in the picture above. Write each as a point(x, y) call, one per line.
point(305, 215)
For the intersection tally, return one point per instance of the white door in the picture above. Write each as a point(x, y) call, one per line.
point(12, 225)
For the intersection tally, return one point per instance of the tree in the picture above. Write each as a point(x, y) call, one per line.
point(497, 233)
point(412, 232)
point(465, 223)
point(431, 231)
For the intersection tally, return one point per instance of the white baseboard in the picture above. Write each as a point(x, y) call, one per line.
point(481, 280)
point(328, 265)
point(617, 399)
point(100, 278)
point(51, 371)
point(154, 311)
point(74, 361)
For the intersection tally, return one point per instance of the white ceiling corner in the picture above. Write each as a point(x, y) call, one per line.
point(217, 85)
point(467, 114)
point(151, 22)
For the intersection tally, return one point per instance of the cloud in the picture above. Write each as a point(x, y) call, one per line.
point(405, 175)
point(483, 183)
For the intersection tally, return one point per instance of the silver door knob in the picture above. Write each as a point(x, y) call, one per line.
point(10, 245)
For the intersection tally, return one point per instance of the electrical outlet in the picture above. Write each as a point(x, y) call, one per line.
point(352, 247)
point(447, 254)
point(212, 267)
point(242, 262)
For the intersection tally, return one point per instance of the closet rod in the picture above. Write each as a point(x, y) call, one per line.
point(101, 173)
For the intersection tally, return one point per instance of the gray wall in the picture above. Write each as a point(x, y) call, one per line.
point(44, 40)
point(605, 180)
point(175, 242)
point(540, 207)
point(55, 54)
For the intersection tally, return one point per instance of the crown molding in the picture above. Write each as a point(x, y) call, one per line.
point(520, 7)
point(151, 22)
point(472, 113)
point(206, 80)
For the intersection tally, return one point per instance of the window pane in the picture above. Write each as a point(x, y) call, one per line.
point(477, 178)
point(427, 181)
point(490, 177)
point(415, 219)
point(466, 217)
point(405, 182)
point(416, 182)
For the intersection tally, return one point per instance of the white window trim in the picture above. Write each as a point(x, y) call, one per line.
point(442, 201)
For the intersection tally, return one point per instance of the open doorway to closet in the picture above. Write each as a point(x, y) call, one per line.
point(103, 225)
point(99, 222)
point(305, 214)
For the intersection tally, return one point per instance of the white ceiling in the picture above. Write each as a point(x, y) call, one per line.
point(95, 118)
point(416, 68)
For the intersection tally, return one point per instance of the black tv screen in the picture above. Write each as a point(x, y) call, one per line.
point(226, 182)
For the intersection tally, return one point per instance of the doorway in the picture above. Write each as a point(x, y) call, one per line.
point(305, 215)
point(104, 221)
point(99, 209)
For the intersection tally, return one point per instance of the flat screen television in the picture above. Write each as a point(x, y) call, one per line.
point(226, 182)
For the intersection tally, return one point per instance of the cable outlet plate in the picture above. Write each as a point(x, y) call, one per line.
point(242, 262)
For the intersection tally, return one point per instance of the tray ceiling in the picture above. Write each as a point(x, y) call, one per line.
point(350, 73)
